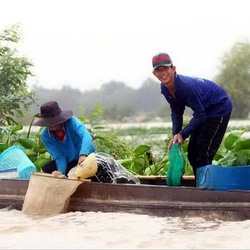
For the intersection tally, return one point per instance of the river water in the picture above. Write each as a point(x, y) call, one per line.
point(97, 230)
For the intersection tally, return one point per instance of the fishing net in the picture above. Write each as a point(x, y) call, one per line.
point(176, 165)
point(111, 171)
point(48, 194)
point(106, 170)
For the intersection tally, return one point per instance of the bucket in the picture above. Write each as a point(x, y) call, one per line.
point(15, 158)
point(223, 178)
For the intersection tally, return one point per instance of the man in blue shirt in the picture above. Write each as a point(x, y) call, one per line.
point(211, 108)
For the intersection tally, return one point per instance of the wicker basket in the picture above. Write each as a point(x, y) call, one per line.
point(15, 158)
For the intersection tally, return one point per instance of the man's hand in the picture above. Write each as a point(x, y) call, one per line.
point(176, 138)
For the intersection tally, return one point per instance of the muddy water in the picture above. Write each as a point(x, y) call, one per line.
point(97, 230)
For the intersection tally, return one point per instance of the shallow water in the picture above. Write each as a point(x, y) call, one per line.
point(97, 230)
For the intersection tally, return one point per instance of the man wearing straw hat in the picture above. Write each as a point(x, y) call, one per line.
point(67, 140)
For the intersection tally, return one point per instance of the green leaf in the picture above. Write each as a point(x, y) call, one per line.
point(243, 158)
point(125, 162)
point(150, 170)
point(231, 138)
point(141, 149)
point(15, 128)
point(228, 160)
point(10, 120)
point(40, 150)
point(136, 168)
point(3, 146)
point(27, 143)
point(30, 153)
point(242, 144)
point(139, 161)
point(40, 161)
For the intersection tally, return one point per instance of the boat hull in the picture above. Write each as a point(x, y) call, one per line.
point(157, 200)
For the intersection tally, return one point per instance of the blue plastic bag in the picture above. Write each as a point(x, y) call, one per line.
point(176, 165)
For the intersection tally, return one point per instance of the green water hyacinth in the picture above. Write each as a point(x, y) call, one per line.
point(234, 150)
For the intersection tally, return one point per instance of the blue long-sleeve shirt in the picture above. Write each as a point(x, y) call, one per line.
point(204, 97)
point(77, 141)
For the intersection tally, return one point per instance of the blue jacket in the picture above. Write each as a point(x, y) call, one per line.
point(78, 141)
point(204, 97)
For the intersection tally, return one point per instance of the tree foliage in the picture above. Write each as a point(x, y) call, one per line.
point(235, 78)
point(14, 72)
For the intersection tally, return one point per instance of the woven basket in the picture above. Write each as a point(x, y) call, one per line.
point(15, 158)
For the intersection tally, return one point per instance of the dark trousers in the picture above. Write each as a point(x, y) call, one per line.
point(51, 166)
point(205, 141)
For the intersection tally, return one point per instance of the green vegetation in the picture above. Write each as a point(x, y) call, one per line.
point(234, 150)
point(14, 71)
point(139, 157)
point(234, 76)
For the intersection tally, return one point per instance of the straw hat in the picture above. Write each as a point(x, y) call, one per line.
point(87, 168)
point(51, 114)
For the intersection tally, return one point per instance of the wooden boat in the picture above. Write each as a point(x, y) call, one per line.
point(151, 197)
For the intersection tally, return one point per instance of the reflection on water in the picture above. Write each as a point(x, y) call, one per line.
point(97, 230)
